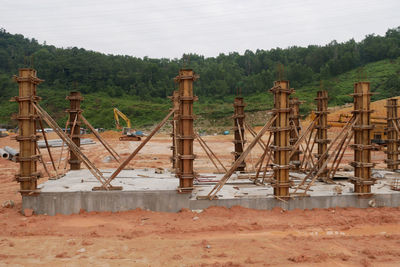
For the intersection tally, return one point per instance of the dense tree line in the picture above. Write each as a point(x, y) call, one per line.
point(149, 78)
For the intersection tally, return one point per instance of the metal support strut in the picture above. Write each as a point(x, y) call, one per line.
point(294, 117)
point(322, 126)
point(239, 141)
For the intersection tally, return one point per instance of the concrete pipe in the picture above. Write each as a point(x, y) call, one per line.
point(11, 151)
point(4, 154)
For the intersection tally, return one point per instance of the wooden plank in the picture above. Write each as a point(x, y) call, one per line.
point(106, 145)
point(212, 152)
point(228, 174)
point(136, 151)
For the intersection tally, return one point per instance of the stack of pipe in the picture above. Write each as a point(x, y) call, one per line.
point(59, 142)
point(9, 153)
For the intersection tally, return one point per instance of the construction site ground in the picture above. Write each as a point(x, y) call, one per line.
point(216, 236)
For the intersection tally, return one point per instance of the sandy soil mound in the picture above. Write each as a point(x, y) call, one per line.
point(378, 107)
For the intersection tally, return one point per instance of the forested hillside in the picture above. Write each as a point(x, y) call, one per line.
point(139, 86)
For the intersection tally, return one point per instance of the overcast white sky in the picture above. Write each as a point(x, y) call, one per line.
point(170, 28)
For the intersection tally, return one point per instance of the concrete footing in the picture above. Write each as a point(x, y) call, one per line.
point(73, 192)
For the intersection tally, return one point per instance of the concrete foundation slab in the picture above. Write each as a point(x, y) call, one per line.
point(146, 189)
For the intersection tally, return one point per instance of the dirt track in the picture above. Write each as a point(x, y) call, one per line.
point(215, 237)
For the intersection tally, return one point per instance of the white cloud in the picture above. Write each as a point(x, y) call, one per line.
point(170, 28)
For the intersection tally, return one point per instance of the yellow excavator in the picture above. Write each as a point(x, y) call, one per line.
point(128, 134)
point(379, 134)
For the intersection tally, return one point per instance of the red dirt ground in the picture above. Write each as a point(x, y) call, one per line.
point(214, 237)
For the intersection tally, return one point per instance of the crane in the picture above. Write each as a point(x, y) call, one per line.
point(127, 133)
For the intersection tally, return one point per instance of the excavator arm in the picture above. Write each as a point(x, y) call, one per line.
point(117, 114)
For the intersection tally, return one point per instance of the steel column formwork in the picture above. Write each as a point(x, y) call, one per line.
point(239, 140)
point(281, 145)
point(392, 151)
point(362, 139)
point(185, 134)
point(322, 131)
point(175, 125)
point(294, 116)
point(74, 111)
point(27, 116)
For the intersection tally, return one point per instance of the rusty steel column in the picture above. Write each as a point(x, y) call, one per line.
point(362, 139)
point(392, 151)
point(27, 116)
point(281, 145)
point(185, 135)
point(175, 125)
point(294, 105)
point(322, 130)
point(239, 140)
point(75, 111)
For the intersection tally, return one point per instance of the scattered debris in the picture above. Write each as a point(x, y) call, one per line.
point(8, 204)
point(82, 250)
point(159, 170)
point(377, 175)
point(348, 168)
point(108, 159)
point(372, 203)
point(338, 189)
point(197, 211)
point(395, 184)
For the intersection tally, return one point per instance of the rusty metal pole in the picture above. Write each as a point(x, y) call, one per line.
point(392, 151)
point(294, 116)
point(175, 123)
point(185, 135)
point(239, 141)
point(281, 145)
point(27, 116)
point(75, 111)
point(322, 131)
point(362, 139)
